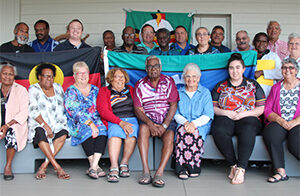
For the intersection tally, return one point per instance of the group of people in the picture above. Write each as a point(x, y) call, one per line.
point(182, 118)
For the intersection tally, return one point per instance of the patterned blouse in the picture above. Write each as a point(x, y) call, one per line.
point(245, 97)
point(288, 102)
point(50, 108)
point(79, 109)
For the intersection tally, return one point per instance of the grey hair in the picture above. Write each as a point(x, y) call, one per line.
point(152, 57)
point(293, 35)
point(273, 21)
point(78, 65)
point(201, 28)
point(292, 61)
point(191, 67)
point(242, 31)
point(8, 64)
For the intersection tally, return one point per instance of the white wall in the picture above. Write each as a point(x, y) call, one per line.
point(99, 15)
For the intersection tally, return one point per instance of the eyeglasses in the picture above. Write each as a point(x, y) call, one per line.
point(285, 68)
point(294, 44)
point(242, 38)
point(81, 73)
point(191, 76)
point(47, 76)
point(202, 34)
point(8, 74)
point(129, 35)
point(156, 66)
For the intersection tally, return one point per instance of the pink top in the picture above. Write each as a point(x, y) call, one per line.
point(280, 48)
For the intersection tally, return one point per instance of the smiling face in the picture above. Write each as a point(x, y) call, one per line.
point(236, 70)
point(294, 47)
point(217, 36)
point(41, 32)
point(119, 80)
point(128, 36)
point(81, 76)
point(46, 78)
point(75, 30)
point(191, 79)
point(242, 41)
point(163, 39)
point(148, 35)
point(261, 44)
point(202, 37)
point(288, 71)
point(21, 34)
point(180, 35)
point(7, 75)
point(109, 40)
point(153, 68)
point(274, 31)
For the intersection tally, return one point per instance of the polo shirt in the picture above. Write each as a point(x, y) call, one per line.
point(49, 45)
point(182, 51)
point(135, 50)
point(9, 47)
point(66, 45)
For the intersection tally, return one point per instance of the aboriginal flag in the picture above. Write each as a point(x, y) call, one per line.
point(63, 60)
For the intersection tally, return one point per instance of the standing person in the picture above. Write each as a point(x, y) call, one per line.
point(181, 44)
point(109, 40)
point(275, 44)
point(155, 103)
point(115, 105)
point(47, 121)
point(217, 37)
point(238, 102)
point(147, 34)
point(193, 116)
point(19, 44)
point(294, 48)
point(14, 114)
point(74, 41)
point(86, 127)
point(43, 43)
point(282, 114)
point(242, 40)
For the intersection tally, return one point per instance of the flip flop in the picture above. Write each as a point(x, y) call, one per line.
point(101, 172)
point(282, 178)
point(41, 174)
point(156, 179)
point(145, 178)
point(61, 174)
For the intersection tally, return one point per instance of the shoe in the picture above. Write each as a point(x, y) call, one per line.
point(61, 174)
point(124, 173)
point(101, 172)
point(275, 180)
point(9, 177)
point(183, 175)
point(156, 180)
point(113, 178)
point(145, 179)
point(41, 174)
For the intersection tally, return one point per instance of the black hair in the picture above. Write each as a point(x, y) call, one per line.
point(42, 66)
point(258, 35)
point(123, 31)
point(147, 25)
point(42, 21)
point(218, 27)
point(108, 31)
point(163, 30)
point(235, 57)
point(180, 26)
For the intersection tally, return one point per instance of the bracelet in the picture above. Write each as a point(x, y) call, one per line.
point(89, 124)
point(42, 124)
point(8, 125)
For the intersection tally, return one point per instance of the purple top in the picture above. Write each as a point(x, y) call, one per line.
point(155, 101)
point(273, 103)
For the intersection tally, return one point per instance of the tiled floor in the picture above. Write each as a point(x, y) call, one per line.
point(213, 181)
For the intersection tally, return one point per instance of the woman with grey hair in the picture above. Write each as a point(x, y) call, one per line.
point(14, 113)
point(282, 116)
point(294, 48)
point(193, 116)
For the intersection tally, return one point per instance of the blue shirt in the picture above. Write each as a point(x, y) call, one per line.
point(183, 51)
point(192, 108)
point(158, 51)
point(49, 45)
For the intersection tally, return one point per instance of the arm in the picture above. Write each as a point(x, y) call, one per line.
point(255, 112)
point(275, 73)
point(221, 112)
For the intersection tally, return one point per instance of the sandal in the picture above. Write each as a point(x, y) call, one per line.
point(239, 176)
point(156, 180)
point(194, 175)
point(232, 171)
point(61, 174)
point(183, 175)
point(101, 172)
point(145, 178)
point(92, 173)
point(124, 173)
point(113, 178)
point(275, 180)
point(41, 174)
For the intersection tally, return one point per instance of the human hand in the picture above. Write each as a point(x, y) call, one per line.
point(48, 131)
point(292, 124)
point(161, 130)
point(153, 129)
point(231, 114)
point(284, 123)
point(95, 130)
point(189, 127)
point(127, 127)
point(3, 131)
point(257, 74)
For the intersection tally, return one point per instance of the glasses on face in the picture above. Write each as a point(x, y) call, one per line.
point(285, 68)
point(294, 44)
point(156, 66)
point(129, 35)
point(8, 74)
point(202, 34)
point(47, 76)
point(191, 76)
point(81, 73)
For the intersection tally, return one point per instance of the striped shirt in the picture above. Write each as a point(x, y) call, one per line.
point(135, 50)
point(280, 48)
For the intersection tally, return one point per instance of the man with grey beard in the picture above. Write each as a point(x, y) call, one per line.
point(19, 44)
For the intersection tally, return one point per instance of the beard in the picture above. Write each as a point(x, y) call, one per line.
point(21, 39)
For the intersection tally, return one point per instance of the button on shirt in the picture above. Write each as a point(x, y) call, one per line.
point(280, 48)
point(49, 45)
point(155, 101)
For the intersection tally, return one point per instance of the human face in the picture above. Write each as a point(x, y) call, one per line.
point(46, 78)
point(118, 82)
point(7, 75)
point(163, 39)
point(21, 34)
point(274, 31)
point(109, 40)
point(202, 37)
point(288, 71)
point(261, 44)
point(242, 41)
point(41, 32)
point(180, 35)
point(81, 76)
point(148, 35)
point(128, 36)
point(191, 79)
point(294, 47)
point(153, 68)
point(236, 70)
point(217, 37)
point(75, 30)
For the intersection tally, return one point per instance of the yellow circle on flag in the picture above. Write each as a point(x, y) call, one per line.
point(59, 78)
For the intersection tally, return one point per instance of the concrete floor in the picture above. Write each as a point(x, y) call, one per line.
point(212, 181)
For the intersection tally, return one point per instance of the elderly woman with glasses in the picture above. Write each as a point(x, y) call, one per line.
point(86, 127)
point(194, 115)
point(282, 114)
point(294, 48)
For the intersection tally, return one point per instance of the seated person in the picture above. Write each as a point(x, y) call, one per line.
point(217, 37)
point(14, 114)
point(147, 35)
point(115, 105)
point(86, 127)
point(193, 116)
point(238, 102)
point(181, 44)
point(155, 103)
point(203, 47)
point(47, 121)
point(282, 115)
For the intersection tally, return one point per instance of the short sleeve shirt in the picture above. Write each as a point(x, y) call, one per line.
point(155, 101)
point(245, 97)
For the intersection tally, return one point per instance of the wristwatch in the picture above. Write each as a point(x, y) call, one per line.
point(164, 125)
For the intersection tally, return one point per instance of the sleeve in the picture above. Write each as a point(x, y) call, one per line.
point(208, 110)
point(34, 96)
point(215, 95)
point(270, 102)
point(22, 115)
point(179, 119)
point(202, 120)
point(174, 95)
point(260, 97)
point(103, 104)
point(274, 74)
point(137, 99)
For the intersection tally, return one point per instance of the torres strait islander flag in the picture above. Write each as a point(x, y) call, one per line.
point(137, 19)
point(213, 66)
point(63, 61)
